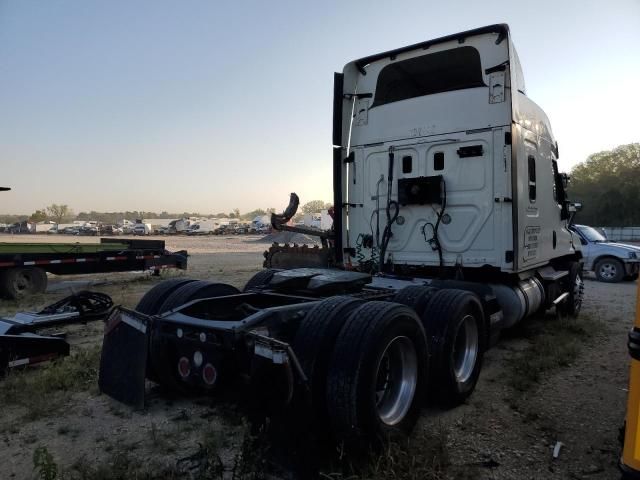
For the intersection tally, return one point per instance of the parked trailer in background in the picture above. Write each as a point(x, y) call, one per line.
point(24, 266)
point(450, 224)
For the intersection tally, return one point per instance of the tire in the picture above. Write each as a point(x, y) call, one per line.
point(260, 279)
point(415, 296)
point(450, 318)
point(575, 286)
point(19, 282)
point(375, 335)
point(162, 363)
point(313, 345)
point(151, 302)
point(610, 270)
point(196, 290)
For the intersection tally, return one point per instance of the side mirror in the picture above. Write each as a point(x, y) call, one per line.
point(575, 207)
point(565, 179)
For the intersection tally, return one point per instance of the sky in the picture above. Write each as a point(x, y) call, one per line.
point(206, 106)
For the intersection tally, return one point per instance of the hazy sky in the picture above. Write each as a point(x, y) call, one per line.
point(209, 105)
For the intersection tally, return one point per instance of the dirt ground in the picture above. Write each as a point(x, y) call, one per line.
point(507, 430)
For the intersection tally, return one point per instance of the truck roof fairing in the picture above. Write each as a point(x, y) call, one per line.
point(502, 29)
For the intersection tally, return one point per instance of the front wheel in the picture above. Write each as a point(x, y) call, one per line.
point(575, 287)
point(610, 270)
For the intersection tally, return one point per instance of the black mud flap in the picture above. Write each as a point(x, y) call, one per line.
point(124, 356)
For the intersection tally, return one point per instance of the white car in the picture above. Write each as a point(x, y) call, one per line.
point(610, 261)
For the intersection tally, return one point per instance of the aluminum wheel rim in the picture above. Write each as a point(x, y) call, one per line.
point(396, 380)
point(465, 350)
point(608, 270)
point(578, 290)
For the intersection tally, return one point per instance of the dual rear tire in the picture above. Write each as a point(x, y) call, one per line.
point(371, 365)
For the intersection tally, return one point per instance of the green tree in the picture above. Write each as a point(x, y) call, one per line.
point(38, 216)
point(253, 214)
point(59, 212)
point(314, 206)
point(608, 185)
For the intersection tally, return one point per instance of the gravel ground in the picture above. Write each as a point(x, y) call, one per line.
point(495, 435)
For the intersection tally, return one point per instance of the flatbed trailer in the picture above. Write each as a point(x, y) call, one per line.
point(24, 266)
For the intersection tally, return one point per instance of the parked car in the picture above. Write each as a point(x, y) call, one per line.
point(141, 229)
point(611, 262)
point(71, 230)
point(89, 230)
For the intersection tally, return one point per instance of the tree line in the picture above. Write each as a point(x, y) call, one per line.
point(64, 214)
point(608, 186)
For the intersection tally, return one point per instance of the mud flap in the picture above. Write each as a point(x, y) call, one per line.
point(123, 361)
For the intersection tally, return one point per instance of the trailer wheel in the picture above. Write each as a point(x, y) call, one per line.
point(377, 374)
point(455, 326)
point(151, 302)
point(313, 345)
point(261, 278)
point(415, 296)
point(610, 270)
point(195, 290)
point(19, 282)
point(575, 286)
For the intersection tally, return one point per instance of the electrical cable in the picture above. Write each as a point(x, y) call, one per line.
point(387, 233)
point(434, 241)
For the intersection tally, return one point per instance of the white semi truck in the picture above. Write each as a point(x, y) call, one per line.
point(450, 224)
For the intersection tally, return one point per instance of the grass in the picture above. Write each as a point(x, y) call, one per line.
point(423, 456)
point(555, 344)
point(42, 390)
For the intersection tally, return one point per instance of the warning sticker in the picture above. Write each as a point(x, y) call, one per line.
point(531, 239)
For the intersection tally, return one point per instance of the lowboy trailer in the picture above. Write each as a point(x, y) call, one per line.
point(450, 224)
point(24, 266)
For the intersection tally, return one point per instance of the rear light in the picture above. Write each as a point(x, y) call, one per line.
point(209, 374)
point(198, 359)
point(184, 367)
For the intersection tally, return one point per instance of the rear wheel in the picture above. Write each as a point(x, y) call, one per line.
point(313, 344)
point(151, 302)
point(455, 326)
point(194, 291)
point(609, 270)
point(260, 279)
point(376, 376)
point(415, 296)
point(18, 282)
